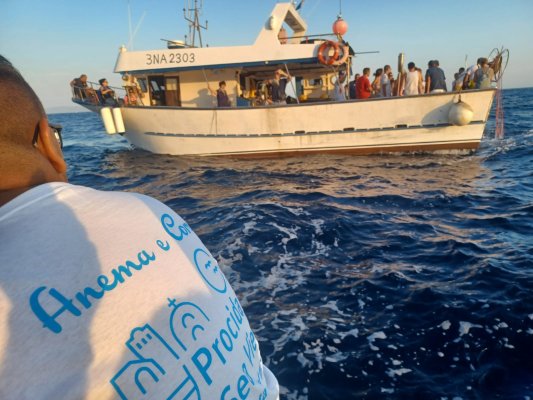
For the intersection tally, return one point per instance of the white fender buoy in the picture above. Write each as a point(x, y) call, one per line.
point(460, 113)
point(107, 118)
point(119, 122)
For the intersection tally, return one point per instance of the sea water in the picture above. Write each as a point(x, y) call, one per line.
point(388, 276)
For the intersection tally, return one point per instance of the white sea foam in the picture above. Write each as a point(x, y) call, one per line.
point(354, 332)
point(446, 325)
point(376, 335)
point(397, 372)
point(464, 327)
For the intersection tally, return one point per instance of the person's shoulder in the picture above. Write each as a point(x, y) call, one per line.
point(109, 197)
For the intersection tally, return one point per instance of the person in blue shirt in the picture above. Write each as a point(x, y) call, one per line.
point(221, 94)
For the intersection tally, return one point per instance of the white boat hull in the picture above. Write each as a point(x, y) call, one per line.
point(417, 123)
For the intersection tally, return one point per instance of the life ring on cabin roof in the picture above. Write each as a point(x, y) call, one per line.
point(323, 52)
point(345, 53)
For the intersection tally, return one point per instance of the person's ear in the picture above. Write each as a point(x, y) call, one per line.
point(51, 148)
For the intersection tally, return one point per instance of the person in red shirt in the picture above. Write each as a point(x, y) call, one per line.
point(363, 89)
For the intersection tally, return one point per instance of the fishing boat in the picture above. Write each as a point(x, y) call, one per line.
point(169, 107)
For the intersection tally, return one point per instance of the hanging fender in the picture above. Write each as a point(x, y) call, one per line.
point(323, 52)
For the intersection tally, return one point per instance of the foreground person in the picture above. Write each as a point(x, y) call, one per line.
point(106, 294)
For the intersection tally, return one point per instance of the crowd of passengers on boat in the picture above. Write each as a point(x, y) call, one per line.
point(273, 91)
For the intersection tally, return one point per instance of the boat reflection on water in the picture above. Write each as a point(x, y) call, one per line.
point(340, 177)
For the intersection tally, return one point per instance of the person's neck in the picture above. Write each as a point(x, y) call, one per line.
point(19, 176)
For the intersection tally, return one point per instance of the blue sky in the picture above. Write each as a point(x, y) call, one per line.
point(52, 41)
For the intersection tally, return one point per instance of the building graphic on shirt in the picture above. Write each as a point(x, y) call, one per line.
point(158, 372)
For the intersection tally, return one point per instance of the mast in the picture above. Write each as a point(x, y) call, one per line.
point(191, 13)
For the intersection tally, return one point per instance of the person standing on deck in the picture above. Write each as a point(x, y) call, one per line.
point(279, 84)
point(221, 95)
point(435, 79)
point(387, 80)
point(340, 87)
point(413, 81)
point(376, 84)
point(484, 75)
point(351, 90)
point(363, 89)
point(468, 81)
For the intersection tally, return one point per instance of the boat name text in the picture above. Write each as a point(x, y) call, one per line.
point(172, 58)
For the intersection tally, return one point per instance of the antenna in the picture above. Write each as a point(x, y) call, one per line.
point(191, 13)
point(133, 31)
point(130, 44)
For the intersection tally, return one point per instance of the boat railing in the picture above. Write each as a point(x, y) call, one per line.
point(312, 38)
point(91, 94)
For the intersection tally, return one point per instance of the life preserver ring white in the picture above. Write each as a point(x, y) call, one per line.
point(323, 52)
point(344, 57)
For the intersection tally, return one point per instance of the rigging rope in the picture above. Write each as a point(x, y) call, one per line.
point(499, 64)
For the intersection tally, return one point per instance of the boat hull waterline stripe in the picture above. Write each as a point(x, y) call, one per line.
point(262, 135)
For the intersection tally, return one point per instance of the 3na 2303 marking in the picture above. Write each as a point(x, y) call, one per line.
point(172, 58)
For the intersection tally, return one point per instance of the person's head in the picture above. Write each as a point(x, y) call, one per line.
point(30, 153)
point(222, 84)
point(436, 63)
point(366, 71)
point(479, 60)
point(356, 77)
point(411, 66)
point(378, 72)
point(103, 82)
point(83, 78)
point(483, 61)
point(461, 70)
point(456, 75)
point(387, 69)
point(431, 63)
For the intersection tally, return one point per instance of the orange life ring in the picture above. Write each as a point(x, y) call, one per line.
point(324, 50)
point(344, 57)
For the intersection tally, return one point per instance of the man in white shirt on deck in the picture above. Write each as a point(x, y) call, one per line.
point(106, 295)
point(468, 82)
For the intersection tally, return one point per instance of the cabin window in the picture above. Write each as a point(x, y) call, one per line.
point(143, 85)
point(315, 82)
point(164, 90)
point(157, 90)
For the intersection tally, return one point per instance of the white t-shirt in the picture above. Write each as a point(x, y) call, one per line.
point(471, 72)
point(385, 85)
point(412, 79)
point(107, 295)
point(340, 90)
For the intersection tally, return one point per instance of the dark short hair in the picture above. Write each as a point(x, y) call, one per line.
point(221, 83)
point(101, 81)
point(378, 72)
point(365, 70)
point(20, 105)
point(411, 65)
point(436, 63)
point(461, 70)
